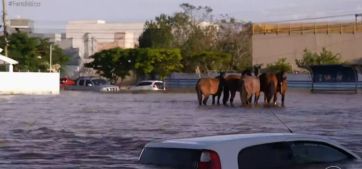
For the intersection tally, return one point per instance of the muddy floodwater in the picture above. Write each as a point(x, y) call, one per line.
point(95, 130)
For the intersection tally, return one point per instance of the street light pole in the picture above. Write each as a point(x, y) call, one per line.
point(5, 28)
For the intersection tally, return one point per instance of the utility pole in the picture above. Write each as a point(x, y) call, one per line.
point(5, 28)
point(50, 57)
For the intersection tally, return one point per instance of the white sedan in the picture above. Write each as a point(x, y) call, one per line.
point(247, 151)
point(150, 85)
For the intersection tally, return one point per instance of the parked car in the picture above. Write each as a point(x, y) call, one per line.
point(151, 85)
point(94, 84)
point(247, 151)
point(64, 81)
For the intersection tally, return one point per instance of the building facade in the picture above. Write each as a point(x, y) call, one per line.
point(89, 37)
point(271, 42)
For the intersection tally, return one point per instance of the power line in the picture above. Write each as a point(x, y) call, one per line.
point(314, 18)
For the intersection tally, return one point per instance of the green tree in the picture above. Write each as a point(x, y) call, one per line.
point(32, 53)
point(207, 61)
point(113, 63)
point(314, 58)
point(157, 34)
point(235, 38)
point(118, 63)
point(154, 62)
point(281, 65)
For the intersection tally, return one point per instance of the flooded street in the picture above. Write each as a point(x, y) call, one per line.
point(94, 130)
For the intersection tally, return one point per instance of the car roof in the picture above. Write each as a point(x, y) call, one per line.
point(150, 81)
point(240, 141)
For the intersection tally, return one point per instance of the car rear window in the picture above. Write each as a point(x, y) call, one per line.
point(144, 84)
point(171, 157)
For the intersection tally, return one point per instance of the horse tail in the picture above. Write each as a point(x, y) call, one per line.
point(198, 92)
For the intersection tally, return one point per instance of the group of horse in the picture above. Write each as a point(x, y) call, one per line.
point(247, 84)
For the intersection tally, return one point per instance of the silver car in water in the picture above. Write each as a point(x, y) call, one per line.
point(94, 84)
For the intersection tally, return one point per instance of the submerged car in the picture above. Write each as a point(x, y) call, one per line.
point(93, 84)
point(148, 85)
point(246, 151)
point(64, 81)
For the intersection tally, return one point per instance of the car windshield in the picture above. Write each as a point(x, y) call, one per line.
point(99, 82)
point(144, 84)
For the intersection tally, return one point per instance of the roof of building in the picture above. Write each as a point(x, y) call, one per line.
point(7, 60)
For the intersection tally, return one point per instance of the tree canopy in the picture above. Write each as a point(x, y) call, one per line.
point(118, 63)
point(281, 65)
point(314, 58)
point(32, 53)
point(195, 31)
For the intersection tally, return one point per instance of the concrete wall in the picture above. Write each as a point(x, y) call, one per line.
point(270, 47)
point(29, 83)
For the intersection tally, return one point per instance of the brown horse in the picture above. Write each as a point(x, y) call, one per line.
point(268, 85)
point(250, 86)
point(232, 85)
point(208, 86)
point(282, 85)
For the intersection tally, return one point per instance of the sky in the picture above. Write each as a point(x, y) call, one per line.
point(52, 15)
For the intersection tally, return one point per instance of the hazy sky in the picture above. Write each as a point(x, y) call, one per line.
point(53, 14)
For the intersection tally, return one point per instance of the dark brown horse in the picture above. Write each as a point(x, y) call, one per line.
point(231, 86)
point(282, 85)
point(269, 85)
point(208, 86)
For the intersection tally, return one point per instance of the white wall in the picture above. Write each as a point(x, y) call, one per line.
point(29, 83)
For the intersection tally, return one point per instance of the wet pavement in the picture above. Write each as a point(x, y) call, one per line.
point(95, 130)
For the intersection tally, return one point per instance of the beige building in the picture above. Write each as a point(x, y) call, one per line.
point(21, 25)
point(90, 37)
point(273, 41)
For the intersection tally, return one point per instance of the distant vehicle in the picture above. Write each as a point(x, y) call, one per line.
point(148, 85)
point(93, 84)
point(246, 151)
point(66, 82)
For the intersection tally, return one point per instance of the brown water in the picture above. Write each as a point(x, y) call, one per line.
point(94, 130)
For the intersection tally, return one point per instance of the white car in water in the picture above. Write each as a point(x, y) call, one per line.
point(148, 85)
point(247, 151)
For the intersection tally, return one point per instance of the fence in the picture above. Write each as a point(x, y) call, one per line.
point(29, 83)
point(301, 28)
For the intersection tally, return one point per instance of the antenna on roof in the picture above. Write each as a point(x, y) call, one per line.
point(290, 131)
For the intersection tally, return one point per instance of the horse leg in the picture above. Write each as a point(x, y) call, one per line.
point(232, 98)
point(256, 99)
point(205, 99)
point(199, 96)
point(275, 98)
point(213, 99)
point(225, 97)
point(283, 96)
point(218, 98)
